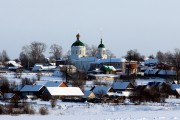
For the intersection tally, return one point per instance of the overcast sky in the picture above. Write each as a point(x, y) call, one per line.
point(145, 25)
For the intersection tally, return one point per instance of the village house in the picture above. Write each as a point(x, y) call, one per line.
point(33, 90)
point(62, 92)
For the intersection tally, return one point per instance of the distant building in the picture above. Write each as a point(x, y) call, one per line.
point(86, 63)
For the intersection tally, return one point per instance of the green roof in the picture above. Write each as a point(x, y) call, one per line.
point(101, 45)
point(107, 68)
point(78, 42)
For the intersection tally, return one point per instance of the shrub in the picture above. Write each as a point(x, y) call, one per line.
point(53, 103)
point(29, 109)
point(1, 109)
point(43, 111)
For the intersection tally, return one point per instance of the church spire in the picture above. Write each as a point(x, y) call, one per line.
point(101, 41)
point(78, 36)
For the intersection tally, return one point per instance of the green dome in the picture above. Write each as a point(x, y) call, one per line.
point(78, 42)
point(101, 45)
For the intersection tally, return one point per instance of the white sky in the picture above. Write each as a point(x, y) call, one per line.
point(145, 25)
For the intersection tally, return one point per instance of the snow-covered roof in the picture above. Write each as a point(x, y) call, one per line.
point(146, 81)
point(57, 73)
point(120, 85)
point(167, 72)
point(157, 84)
point(99, 89)
point(65, 91)
point(41, 83)
point(14, 67)
point(90, 59)
point(14, 63)
point(108, 68)
point(41, 67)
point(8, 95)
point(99, 61)
point(175, 86)
point(53, 83)
point(151, 71)
point(105, 75)
point(37, 67)
point(87, 93)
point(31, 88)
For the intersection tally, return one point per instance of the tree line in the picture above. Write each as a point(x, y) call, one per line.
point(35, 53)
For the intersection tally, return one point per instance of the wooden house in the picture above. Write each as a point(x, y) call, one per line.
point(35, 90)
point(122, 86)
point(62, 92)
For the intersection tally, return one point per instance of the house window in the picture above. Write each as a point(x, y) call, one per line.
point(103, 51)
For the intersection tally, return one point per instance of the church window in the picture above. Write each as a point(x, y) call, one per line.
point(80, 51)
point(76, 51)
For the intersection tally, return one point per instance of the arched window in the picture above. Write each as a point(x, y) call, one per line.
point(79, 51)
point(76, 51)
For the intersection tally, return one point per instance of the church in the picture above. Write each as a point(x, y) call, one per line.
point(84, 63)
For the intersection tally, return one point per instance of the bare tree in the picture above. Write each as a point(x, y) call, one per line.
point(4, 84)
point(78, 79)
point(160, 56)
point(110, 54)
point(134, 55)
point(176, 62)
point(151, 56)
point(91, 51)
point(33, 53)
point(4, 56)
point(56, 51)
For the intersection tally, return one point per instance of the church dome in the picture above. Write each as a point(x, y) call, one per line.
point(78, 42)
point(101, 45)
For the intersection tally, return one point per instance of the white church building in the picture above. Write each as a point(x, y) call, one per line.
point(84, 62)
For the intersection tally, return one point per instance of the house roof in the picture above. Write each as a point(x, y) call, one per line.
point(151, 71)
point(14, 63)
point(120, 85)
point(53, 83)
point(8, 95)
point(157, 84)
point(31, 88)
point(167, 72)
point(98, 89)
point(65, 91)
point(175, 86)
point(108, 60)
point(87, 93)
point(107, 68)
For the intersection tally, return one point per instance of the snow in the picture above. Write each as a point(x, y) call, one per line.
point(84, 111)
point(88, 111)
point(65, 91)
point(146, 81)
point(109, 60)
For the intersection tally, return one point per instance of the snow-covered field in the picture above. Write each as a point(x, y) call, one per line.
point(84, 111)
point(79, 111)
